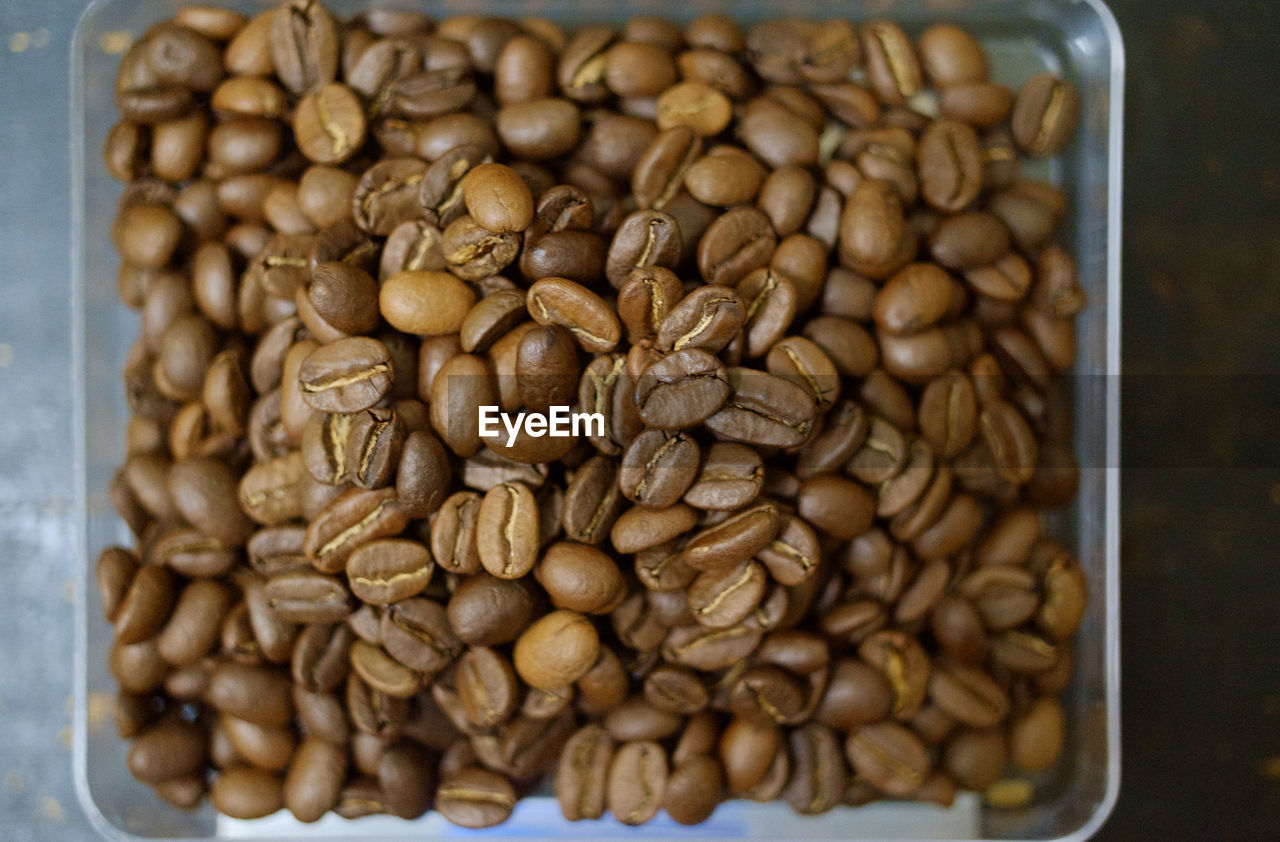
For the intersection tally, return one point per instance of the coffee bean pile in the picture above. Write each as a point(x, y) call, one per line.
point(793, 273)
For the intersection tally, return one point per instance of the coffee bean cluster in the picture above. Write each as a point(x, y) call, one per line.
point(795, 270)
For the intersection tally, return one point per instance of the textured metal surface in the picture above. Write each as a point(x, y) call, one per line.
point(37, 800)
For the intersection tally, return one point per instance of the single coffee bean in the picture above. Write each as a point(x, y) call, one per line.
point(559, 301)
point(582, 773)
point(675, 689)
point(329, 124)
point(708, 319)
point(486, 686)
point(1044, 115)
point(416, 632)
point(546, 368)
point(730, 477)
point(764, 409)
point(890, 757)
point(637, 782)
point(355, 518)
point(346, 376)
point(307, 597)
point(904, 664)
point(645, 238)
point(203, 491)
point(968, 694)
point(556, 650)
point(682, 389)
point(724, 596)
point(739, 241)
point(192, 629)
point(580, 578)
point(840, 507)
point(507, 530)
point(497, 198)
point(389, 570)
point(951, 56)
point(696, 105)
point(475, 798)
point(658, 468)
point(592, 501)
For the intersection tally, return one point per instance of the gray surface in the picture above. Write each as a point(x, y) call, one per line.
point(36, 800)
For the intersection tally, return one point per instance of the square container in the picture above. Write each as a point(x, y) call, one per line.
point(1077, 39)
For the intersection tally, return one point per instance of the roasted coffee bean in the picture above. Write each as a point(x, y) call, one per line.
point(192, 628)
point(307, 597)
point(582, 774)
point(645, 238)
point(658, 468)
point(592, 501)
point(353, 519)
point(546, 368)
point(764, 409)
point(738, 242)
point(580, 578)
point(637, 782)
point(417, 633)
point(389, 570)
point(346, 376)
point(559, 301)
point(682, 389)
point(556, 650)
point(968, 694)
point(698, 106)
point(839, 506)
point(507, 530)
point(1044, 115)
point(475, 798)
point(890, 757)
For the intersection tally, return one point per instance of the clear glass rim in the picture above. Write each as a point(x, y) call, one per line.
point(77, 278)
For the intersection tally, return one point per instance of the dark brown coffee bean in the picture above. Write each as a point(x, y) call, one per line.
point(422, 474)
point(143, 604)
point(658, 468)
point(659, 172)
point(738, 242)
point(724, 596)
point(320, 657)
point(840, 507)
point(592, 501)
point(546, 368)
point(729, 478)
point(682, 389)
point(817, 775)
point(416, 632)
point(582, 774)
point(708, 319)
point(764, 409)
point(637, 782)
point(645, 238)
point(733, 540)
point(346, 376)
point(507, 530)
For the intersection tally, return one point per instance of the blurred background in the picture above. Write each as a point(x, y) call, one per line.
point(1201, 430)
